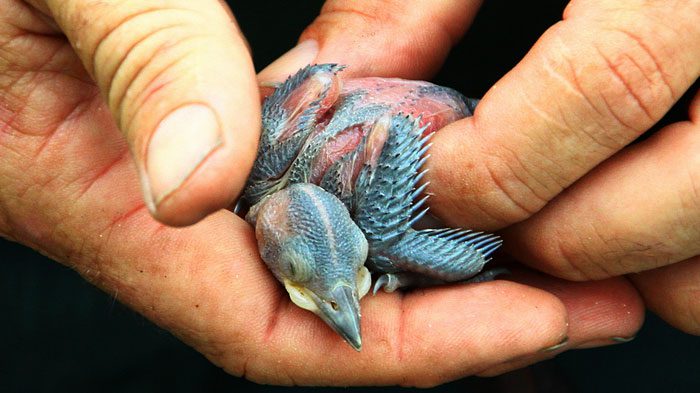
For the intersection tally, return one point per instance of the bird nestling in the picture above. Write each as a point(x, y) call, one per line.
point(335, 192)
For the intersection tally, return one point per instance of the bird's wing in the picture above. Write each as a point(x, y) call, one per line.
point(386, 207)
point(394, 151)
point(289, 116)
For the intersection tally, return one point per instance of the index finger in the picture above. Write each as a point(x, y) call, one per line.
point(589, 86)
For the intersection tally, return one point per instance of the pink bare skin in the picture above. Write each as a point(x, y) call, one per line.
point(433, 113)
point(117, 118)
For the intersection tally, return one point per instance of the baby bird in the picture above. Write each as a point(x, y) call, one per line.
point(335, 192)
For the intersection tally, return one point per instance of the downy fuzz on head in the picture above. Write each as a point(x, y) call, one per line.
point(308, 240)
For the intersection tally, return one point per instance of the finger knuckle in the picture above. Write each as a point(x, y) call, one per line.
point(136, 79)
point(634, 73)
point(367, 12)
point(598, 253)
point(336, 16)
point(621, 77)
point(342, 23)
point(136, 45)
point(513, 187)
point(571, 261)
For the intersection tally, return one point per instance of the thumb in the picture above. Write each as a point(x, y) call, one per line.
point(379, 37)
point(179, 81)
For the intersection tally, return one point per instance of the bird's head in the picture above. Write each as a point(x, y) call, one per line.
point(310, 243)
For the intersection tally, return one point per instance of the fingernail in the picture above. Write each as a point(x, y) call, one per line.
point(182, 140)
point(623, 339)
point(557, 346)
point(603, 342)
point(299, 56)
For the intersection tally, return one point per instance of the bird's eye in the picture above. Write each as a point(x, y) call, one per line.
point(296, 260)
point(299, 269)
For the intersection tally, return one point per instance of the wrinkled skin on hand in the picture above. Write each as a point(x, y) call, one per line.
point(69, 137)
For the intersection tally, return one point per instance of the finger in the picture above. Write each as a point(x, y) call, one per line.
point(180, 83)
point(673, 293)
point(379, 37)
point(455, 329)
point(589, 86)
point(601, 313)
point(637, 211)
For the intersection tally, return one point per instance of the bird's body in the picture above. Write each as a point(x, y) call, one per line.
point(335, 185)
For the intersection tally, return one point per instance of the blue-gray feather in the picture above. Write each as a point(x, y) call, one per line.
point(385, 208)
point(383, 191)
point(275, 156)
point(435, 254)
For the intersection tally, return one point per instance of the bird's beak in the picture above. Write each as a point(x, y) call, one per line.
point(342, 314)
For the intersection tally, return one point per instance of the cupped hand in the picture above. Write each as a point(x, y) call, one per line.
point(88, 88)
point(546, 154)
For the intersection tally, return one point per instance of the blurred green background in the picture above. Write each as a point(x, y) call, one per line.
point(58, 333)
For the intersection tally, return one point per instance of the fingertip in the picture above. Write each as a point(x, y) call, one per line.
point(598, 310)
point(182, 141)
point(672, 292)
point(208, 188)
point(476, 187)
point(302, 54)
point(475, 325)
point(197, 160)
point(601, 313)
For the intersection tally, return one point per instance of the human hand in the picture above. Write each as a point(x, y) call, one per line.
point(533, 153)
point(69, 189)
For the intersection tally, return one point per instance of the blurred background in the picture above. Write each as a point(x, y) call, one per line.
point(58, 333)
